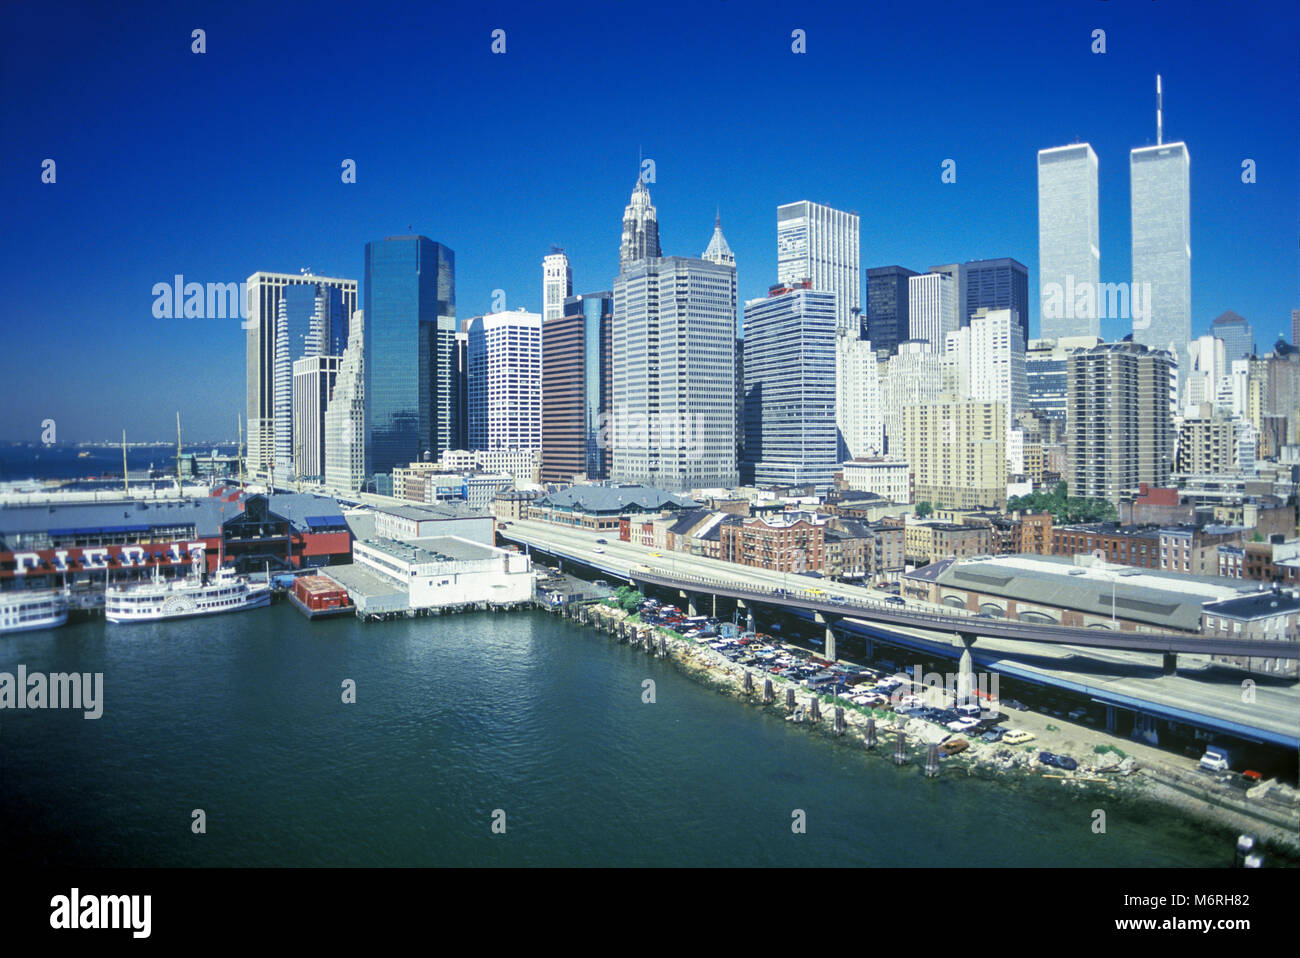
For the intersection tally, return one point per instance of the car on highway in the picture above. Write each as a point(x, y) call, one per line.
point(598, 549)
point(895, 600)
point(1052, 760)
point(656, 555)
point(1018, 736)
point(602, 542)
point(839, 600)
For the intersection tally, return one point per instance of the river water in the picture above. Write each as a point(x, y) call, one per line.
point(520, 718)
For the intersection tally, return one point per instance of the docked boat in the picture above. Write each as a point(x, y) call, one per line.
point(28, 609)
point(224, 591)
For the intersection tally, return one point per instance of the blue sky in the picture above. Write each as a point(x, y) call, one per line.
point(218, 165)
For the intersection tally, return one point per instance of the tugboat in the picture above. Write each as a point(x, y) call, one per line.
point(196, 594)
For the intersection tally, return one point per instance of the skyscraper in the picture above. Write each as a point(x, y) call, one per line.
point(1069, 257)
point(505, 380)
point(1162, 242)
point(986, 362)
point(314, 379)
point(1238, 338)
point(932, 308)
point(264, 291)
point(822, 244)
point(998, 284)
point(957, 273)
point(911, 377)
point(577, 352)
point(674, 361)
point(790, 430)
point(345, 416)
point(557, 283)
point(640, 228)
point(309, 324)
point(887, 307)
point(1119, 426)
point(858, 412)
point(409, 352)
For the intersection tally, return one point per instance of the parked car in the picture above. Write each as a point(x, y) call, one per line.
point(1078, 714)
point(1057, 761)
point(953, 746)
point(1013, 704)
point(1018, 737)
point(993, 735)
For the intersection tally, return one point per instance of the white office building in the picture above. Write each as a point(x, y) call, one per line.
point(264, 292)
point(505, 380)
point(1069, 257)
point(911, 377)
point(790, 411)
point(932, 311)
point(822, 244)
point(345, 416)
point(313, 382)
point(1162, 247)
point(858, 413)
point(557, 283)
point(985, 362)
point(674, 371)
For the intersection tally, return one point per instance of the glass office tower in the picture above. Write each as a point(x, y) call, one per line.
point(409, 352)
point(886, 320)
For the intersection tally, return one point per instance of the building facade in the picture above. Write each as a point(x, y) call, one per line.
point(887, 310)
point(1069, 255)
point(1162, 246)
point(932, 307)
point(505, 380)
point(674, 343)
point(822, 244)
point(790, 363)
point(1119, 426)
point(957, 452)
point(557, 283)
point(409, 354)
point(577, 355)
point(264, 292)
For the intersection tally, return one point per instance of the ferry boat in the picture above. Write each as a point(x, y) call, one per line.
point(29, 609)
point(224, 591)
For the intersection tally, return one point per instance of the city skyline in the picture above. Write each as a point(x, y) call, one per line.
point(214, 219)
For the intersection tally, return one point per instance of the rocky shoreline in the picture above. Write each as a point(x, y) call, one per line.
point(1105, 773)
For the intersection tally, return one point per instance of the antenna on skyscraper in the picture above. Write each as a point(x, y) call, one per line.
point(1160, 119)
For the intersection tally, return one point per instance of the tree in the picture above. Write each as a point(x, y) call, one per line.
point(924, 509)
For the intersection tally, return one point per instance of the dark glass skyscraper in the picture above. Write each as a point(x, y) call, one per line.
point(409, 352)
point(886, 317)
point(997, 284)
